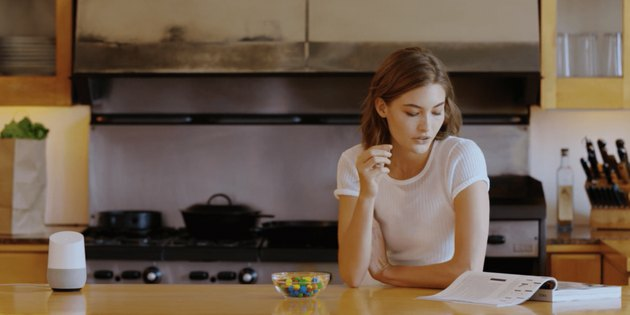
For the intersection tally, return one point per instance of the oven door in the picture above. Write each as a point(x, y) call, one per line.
point(514, 247)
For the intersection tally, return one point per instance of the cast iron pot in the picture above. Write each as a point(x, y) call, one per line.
point(301, 233)
point(221, 222)
point(129, 222)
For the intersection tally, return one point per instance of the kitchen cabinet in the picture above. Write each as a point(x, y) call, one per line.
point(584, 23)
point(35, 21)
point(576, 267)
point(452, 21)
point(23, 263)
point(590, 263)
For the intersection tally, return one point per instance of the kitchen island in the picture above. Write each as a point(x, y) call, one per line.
point(262, 299)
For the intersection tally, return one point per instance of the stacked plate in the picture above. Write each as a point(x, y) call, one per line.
point(27, 55)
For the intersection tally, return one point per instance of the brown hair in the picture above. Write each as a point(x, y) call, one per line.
point(402, 71)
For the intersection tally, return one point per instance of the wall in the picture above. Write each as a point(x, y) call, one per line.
point(552, 130)
point(66, 159)
point(285, 170)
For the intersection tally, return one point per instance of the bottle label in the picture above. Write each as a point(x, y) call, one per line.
point(565, 203)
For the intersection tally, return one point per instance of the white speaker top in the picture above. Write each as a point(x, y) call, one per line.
point(66, 250)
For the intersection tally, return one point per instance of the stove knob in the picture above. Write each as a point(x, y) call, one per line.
point(247, 276)
point(152, 275)
point(103, 274)
point(131, 274)
point(226, 275)
point(198, 275)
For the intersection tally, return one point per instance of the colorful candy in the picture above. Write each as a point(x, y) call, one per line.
point(300, 284)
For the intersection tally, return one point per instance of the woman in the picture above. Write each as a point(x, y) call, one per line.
point(413, 197)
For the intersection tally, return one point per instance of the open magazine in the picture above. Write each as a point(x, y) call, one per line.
point(501, 289)
point(572, 291)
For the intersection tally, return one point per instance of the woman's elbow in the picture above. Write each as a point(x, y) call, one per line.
point(459, 267)
point(350, 279)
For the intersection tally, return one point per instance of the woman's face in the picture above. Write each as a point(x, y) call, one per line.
point(415, 117)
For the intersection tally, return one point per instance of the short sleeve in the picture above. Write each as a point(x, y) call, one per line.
point(347, 176)
point(468, 165)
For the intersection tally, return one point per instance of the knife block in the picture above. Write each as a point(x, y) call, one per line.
point(609, 205)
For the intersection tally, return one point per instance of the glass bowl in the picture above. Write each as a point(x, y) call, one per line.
point(300, 284)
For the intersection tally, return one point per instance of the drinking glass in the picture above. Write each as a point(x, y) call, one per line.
point(583, 57)
point(610, 54)
point(562, 55)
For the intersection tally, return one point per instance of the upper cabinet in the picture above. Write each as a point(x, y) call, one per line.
point(202, 36)
point(35, 52)
point(300, 36)
point(584, 54)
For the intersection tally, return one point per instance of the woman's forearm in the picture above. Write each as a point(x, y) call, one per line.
point(437, 276)
point(471, 235)
point(355, 244)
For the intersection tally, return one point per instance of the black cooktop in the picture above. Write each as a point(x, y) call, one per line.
point(171, 244)
point(166, 244)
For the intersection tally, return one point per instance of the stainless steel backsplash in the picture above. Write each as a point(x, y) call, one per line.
point(288, 171)
point(285, 170)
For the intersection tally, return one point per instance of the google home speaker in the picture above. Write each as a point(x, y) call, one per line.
point(66, 261)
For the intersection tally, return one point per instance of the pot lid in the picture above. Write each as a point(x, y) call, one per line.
point(223, 209)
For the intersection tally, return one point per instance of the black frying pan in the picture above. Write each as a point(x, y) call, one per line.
point(300, 233)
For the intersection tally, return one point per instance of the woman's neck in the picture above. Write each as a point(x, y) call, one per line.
point(407, 164)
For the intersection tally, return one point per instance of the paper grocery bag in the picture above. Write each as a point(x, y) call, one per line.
point(22, 186)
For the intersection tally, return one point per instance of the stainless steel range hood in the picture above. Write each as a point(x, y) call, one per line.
point(300, 61)
point(293, 36)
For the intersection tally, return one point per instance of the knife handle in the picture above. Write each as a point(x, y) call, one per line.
point(607, 158)
point(587, 170)
point(624, 166)
point(621, 150)
point(607, 173)
point(601, 144)
point(623, 172)
point(619, 202)
point(592, 159)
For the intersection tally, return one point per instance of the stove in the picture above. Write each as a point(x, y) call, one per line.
point(516, 244)
point(172, 256)
point(516, 239)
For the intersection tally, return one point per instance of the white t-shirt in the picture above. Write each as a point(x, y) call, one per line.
point(416, 215)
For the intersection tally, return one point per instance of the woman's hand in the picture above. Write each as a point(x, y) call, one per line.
point(372, 164)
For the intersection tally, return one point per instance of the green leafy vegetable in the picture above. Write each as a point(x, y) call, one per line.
point(24, 129)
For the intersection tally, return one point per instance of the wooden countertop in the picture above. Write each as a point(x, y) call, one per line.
point(257, 299)
point(38, 238)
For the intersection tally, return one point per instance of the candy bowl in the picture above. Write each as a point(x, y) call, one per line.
point(300, 284)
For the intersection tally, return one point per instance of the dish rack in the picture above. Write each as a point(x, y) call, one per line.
point(610, 202)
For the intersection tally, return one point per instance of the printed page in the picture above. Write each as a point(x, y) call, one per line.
point(497, 289)
point(588, 305)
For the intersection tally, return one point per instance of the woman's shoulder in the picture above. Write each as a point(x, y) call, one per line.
point(353, 152)
point(451, 142)
point(454, 148)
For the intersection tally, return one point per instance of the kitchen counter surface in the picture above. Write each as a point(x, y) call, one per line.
point(614, 243)
point(584, 234)
point(260, 299)
point(39, 238)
